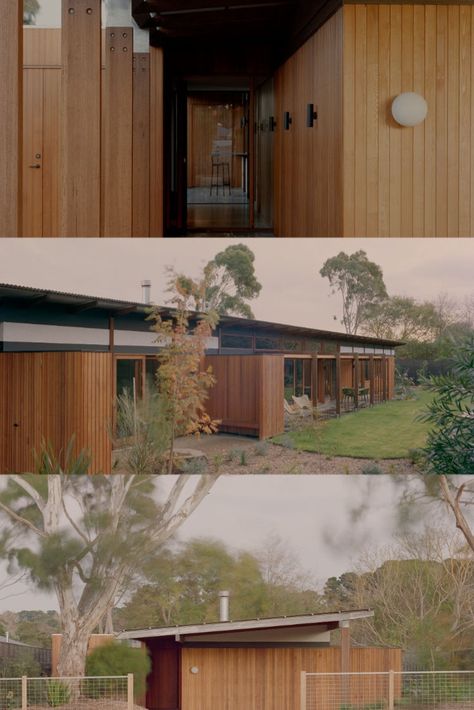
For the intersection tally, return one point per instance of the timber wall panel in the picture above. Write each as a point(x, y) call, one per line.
point(52, 397)
point(308, 161)
point(271, 395)
point(11, 111)
point(52, 164)
point(156, 142)
point(81, 55)
point(248, 394)
point(41, 47)
point(117, 133)
point(265, 105)
point(404, 182)
point(33, 129)
point(141, 146)
point(268, 678)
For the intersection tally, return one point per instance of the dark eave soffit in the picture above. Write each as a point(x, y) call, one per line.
point(286, 23)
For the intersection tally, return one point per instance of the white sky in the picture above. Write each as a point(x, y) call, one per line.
point(293, 291)
point(326, 520)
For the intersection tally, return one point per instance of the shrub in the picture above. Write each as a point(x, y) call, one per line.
point(114, 658)
point(371, 469)
point(261, 448)
point(57, 693)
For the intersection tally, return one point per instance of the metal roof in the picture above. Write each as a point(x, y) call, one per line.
point(279, 622)
point(31, 296)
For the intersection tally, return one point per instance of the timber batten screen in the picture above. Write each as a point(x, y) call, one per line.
point(248, 394)
point(52, 397)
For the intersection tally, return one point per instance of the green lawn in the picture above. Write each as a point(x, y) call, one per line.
point(384, 431)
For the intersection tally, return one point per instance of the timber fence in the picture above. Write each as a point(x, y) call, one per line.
point(421, 690)
point(92, 693)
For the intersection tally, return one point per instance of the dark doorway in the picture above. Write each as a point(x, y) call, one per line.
point(218, 191)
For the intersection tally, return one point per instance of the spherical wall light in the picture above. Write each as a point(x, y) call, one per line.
point(409, 109)
point(194, 670)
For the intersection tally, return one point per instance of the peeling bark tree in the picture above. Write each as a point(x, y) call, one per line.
point(83, 538)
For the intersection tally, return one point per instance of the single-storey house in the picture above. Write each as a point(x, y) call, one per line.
point(65, 357)
point(303, 118)
point(256, 664)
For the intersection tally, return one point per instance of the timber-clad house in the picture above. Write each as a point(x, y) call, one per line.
point(65, 357)
point(259, 663)
point(173, 116)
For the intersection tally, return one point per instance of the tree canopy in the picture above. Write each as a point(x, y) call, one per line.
point(231, 281)
point(84, 537)
point(359, 282)
point(182, 585)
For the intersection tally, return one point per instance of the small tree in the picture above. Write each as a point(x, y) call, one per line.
point(450, 447)
point(182, 380)
point(360, 283)
point(114, 658)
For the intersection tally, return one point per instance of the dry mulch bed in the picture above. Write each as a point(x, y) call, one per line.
point(88, 704)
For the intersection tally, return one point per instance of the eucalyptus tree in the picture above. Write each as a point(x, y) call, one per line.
point(83, 538)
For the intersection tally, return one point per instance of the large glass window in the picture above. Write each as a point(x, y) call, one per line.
point(237, 342)
point(297, 378)
point(267, 344)
point(42, 13)
point(289, 379)
point(129, 380)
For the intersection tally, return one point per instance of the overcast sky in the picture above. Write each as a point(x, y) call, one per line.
point(326, 520)
point(293, 291)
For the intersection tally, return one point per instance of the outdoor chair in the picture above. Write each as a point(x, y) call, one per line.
point(364, 394)
point(303, 402)
point(290, 408)
point(348, 394)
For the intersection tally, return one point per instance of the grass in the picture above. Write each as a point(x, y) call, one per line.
point(385, 431)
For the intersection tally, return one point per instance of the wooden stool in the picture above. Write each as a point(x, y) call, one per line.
point(220, 170)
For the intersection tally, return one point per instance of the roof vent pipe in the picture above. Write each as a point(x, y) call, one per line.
point(224, 606)
point(146, 291)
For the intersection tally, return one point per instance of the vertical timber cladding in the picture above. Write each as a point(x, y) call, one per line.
point(248, 395)
point(156, 142)
point(267, 678)
point(141, 145)
point(117, 133)
point(52, 397)
point(81, 54)
point(11, 116)
point(308, 161)
point(408, 181)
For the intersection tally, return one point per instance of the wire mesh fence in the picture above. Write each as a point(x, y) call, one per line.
point(437, 690)
point(100, 693)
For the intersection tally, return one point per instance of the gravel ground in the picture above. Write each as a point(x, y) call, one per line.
point(85, 704)
point(241, 455)
point(229, 454)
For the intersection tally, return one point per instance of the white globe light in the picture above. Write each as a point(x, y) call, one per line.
point(409, 109)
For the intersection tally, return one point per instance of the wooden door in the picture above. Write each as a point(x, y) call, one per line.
point(33, 153)
point(41, 152)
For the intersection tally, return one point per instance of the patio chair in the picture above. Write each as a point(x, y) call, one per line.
point(303, 402)
point(348, 394)
point(364, 394)
point(290, 408)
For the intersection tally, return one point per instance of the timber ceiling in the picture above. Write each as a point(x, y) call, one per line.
point(282, 22)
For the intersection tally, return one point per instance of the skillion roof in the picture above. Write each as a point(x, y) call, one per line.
point(221, 627)
point(30, 297)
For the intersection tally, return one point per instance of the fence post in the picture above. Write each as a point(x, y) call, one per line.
point(391, 690)
point(130, 699)
point(24, 692)
point(303, 690)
